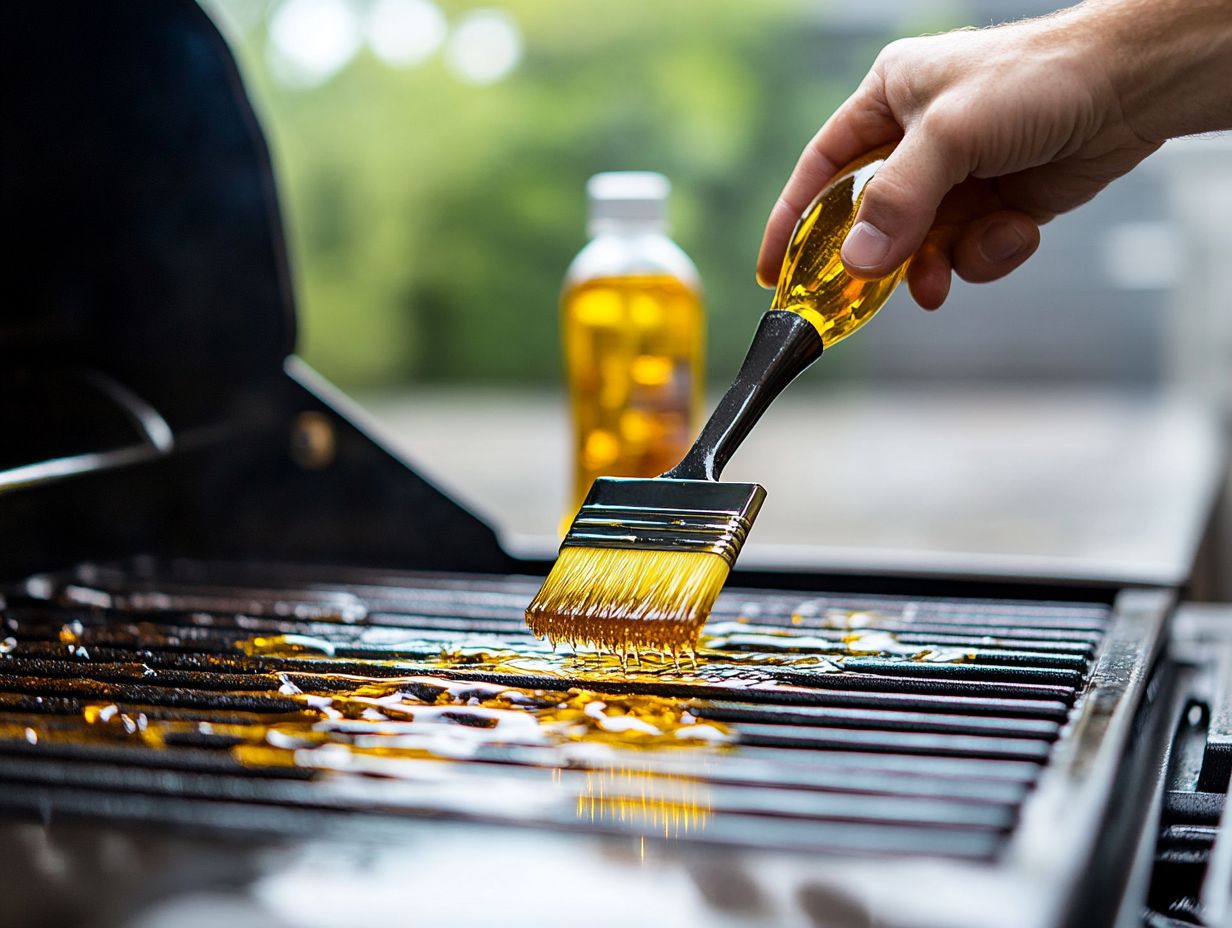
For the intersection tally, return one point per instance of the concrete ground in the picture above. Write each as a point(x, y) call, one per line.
point(1082, 483)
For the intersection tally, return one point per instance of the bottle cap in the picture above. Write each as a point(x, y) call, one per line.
point(627, 198)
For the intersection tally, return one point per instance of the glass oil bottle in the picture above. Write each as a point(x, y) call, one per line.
point(813, 281)
point(633, 333)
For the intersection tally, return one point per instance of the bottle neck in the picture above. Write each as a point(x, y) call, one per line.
point(626, 228)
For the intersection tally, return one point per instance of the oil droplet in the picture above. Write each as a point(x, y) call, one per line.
point(885, 643)
point(285, 645)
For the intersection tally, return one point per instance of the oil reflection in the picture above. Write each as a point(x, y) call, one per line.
point(644, 801)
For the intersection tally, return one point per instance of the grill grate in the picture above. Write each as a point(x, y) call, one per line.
point(838, 723)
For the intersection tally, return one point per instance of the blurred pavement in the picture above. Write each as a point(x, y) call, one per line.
point(1077, 483)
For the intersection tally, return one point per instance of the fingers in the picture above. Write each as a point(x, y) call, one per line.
point(928, 276)
point(993, 245)
point(901, 201)
point(861, 124)
point(774, 242)
point(979, 251)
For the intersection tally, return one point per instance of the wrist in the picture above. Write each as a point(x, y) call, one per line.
point(1168, 62)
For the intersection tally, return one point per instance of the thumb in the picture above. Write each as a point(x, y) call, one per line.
point(899, 204)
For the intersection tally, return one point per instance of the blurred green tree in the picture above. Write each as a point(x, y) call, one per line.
point(431, 219)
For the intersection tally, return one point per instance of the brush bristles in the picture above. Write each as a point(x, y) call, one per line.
point(628, 600)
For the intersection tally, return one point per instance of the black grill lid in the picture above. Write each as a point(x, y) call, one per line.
point(145, 240)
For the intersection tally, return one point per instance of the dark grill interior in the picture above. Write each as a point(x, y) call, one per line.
point(866, 724)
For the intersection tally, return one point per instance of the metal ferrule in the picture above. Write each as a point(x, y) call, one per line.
point(667, 515)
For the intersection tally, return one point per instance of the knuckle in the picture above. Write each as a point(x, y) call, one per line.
point(784, 211)
point(887, 198)
point(894, 53)
point(947, 122)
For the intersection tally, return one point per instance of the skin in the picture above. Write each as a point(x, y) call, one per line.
point(999, 130)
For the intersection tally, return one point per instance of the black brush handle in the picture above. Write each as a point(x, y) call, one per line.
point(785, 344)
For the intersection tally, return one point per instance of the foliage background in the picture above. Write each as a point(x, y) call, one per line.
point(430, 220)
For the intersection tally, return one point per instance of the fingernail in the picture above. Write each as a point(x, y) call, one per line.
point(866, 246)
point(761, 282)
point(1000, 242)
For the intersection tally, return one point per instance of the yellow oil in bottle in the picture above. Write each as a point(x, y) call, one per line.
point(633, 353)
point(813, 281)
point(633, 333)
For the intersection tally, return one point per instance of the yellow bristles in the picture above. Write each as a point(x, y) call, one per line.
point(628, 600)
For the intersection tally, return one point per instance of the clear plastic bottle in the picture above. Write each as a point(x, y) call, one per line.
point(633, 332)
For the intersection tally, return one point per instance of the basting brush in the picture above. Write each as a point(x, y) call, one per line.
point(645, 559)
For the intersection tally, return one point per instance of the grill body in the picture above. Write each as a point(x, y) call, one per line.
point(995, 769)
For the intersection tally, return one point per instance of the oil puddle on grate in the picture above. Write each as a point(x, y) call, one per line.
point(857, 724)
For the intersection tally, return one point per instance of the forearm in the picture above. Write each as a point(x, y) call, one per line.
point(1169, 61)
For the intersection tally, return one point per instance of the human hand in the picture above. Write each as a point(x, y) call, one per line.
point(998, 130)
